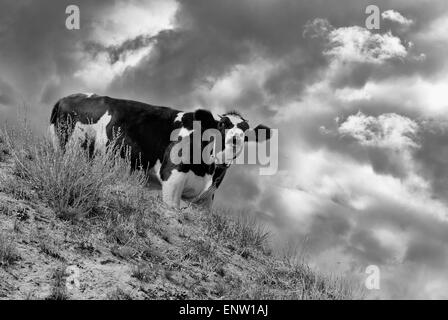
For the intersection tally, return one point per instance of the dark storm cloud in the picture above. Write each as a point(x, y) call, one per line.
point(386, 161)
point(37, 52)
point(428, 253)
point(37, 36)
point(433, 156)
point(332, 223)
point(365, 247)
point(295, 72)
point(428, 235)
point(214, 36)
point(117, 51)
point(355, 232)
point(429, 158)
point(382, 160)
point(209, 40)
point(181, 61)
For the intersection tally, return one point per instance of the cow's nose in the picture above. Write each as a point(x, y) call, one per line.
point(236, 140)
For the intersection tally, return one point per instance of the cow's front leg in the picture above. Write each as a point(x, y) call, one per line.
point(173, 188)
point(205, 202)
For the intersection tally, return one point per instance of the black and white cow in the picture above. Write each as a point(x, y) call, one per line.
point(147, 130)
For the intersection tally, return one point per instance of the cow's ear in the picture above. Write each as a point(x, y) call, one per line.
point(206, 118)
point(260, 133)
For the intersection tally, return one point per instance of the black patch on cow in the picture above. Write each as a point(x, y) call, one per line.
point(243, 126)
point(201, 169)
point(145, 128)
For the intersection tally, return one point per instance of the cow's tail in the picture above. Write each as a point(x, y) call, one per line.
point(54, 113)
point(53, 128)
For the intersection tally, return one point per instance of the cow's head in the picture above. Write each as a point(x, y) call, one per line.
point(235, 131)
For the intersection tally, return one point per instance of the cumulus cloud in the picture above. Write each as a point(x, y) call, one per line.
point(355, 43)
point(355, 56)
point(390, 131)
point(392, 143)
point(397, 17)
point(414, 150)
point(317, 28)
point(360, 45)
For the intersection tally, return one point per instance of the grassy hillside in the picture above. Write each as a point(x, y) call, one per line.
point(62, 214)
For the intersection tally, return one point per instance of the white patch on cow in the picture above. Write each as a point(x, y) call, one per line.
point(89, 94)
point(181, 184)
point(231, 151)
point(196, 185)
point(235, 133)
point(172, 188)
point(53, 137)
point(184, 132)
point(234, 119)
point(156, 169)
point(179, 116)
point(216, 116)
point(95, 132)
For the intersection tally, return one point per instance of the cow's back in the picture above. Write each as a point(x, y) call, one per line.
point(143, 127)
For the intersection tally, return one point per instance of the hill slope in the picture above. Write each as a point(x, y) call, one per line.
point(127, 244)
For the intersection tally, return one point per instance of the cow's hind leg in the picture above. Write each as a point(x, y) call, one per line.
point(60, 132)
point(54, 137)
point(173, 188)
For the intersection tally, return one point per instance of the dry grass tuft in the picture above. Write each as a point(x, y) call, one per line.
point(239, 229)
point(119, 294)
point(71, 182)
point(4, 150)
point(8, 251)
point(59, 289)
point(143, 273)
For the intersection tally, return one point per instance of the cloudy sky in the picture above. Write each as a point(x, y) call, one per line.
point(363, 176)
